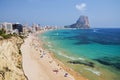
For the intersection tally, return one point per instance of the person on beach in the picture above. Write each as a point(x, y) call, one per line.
point(66, 74)
point(55, 71)
point(41, 56)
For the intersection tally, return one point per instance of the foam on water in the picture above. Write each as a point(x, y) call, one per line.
point(93, 71)
point(81, 58)
point(72, 58)
point(49, 42)
point(69, 57)
point(50, 46)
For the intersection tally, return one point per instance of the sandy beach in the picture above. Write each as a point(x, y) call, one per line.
point(38, 64)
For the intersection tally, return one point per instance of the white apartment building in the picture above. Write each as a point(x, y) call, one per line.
point(7, 26)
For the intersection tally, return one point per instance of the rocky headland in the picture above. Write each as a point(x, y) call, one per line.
point(82, 23)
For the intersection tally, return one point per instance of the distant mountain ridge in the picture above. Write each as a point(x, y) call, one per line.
point(82, 22)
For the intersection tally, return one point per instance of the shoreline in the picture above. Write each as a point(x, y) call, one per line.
point(39, 59)
point(100, 72)
point(75, 74)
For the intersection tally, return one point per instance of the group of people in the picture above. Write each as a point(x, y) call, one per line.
point(56, 71)
point(42, 53)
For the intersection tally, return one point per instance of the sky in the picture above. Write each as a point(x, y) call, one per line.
point(101, 13)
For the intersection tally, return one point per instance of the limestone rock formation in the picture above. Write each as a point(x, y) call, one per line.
point(82, 22)
point(11, 59)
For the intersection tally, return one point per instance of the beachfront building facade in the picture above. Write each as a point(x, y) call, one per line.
point(35, 27)
point(11, 28)
point(8, 27)
point(26, 30)
point(17, 28)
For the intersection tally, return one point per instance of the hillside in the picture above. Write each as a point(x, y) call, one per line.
point(11, 59)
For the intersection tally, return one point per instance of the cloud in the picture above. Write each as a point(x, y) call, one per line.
point(81, 7)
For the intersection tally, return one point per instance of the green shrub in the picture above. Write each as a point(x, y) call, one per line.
point(2, 31)
point(6, 36)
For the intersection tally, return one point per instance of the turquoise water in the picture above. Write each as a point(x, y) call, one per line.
point(101, 47)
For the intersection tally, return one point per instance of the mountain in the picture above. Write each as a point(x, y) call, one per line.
point(82, 22)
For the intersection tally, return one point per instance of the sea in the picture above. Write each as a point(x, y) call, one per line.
point(93, 53)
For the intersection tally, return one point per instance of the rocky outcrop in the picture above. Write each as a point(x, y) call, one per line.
point(11, 59)
point(82, 22)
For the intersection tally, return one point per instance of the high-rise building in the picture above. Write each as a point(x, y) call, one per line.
point(19, 27)
point(8, 27)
